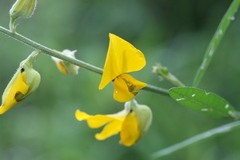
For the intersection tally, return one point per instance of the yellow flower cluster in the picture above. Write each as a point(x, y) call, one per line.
point(122, 57)
point(135, 119)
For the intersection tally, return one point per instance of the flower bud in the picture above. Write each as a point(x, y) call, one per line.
point(136, 123)
point(66, 67)
point(21, 8)
point(165, 74)
point(24, 82)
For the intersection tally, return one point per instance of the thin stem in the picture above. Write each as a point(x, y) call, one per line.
point(217, 37)
point(11, 25)
point(50, 52)
point(197, 138)
point(174, 80)
point(77, 62)
point(156, 89)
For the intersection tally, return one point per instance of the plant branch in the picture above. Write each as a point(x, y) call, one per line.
point(77, 62)
point(205, 135)
point(217, 37)
point(156, 89)
point(49, 51)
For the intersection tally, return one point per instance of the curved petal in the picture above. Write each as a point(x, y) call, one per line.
point(15, 87)
point(135, 83)
point(93, 121)
point(81, 115)
point(130, 131)
point(125, 87)
point(65, 67)
point(121, 57)
point(61, 67)
point(121, 92)
point(112, 128)
point(132, 60)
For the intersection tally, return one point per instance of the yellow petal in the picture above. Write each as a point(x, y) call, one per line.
point(93, 121)
point(112, 128)
point(65, 67)
point(81, 115)
point(130, 132)
point(134, 84)
point(61, 67)
point(125, 87)
point(121, 92)
point(113, 122)
point(143, 113)
point(122, 57)
point(15, 87)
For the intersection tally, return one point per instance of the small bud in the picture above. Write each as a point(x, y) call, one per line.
point(160, 70)
point(24, 82)
point(136, 123)
point(163, 73)
point(21, 8)
point(66, 67)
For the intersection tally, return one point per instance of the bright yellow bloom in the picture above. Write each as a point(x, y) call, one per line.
point(23, 83)
point(122, 57)
point(132, 123)
point(66, 67)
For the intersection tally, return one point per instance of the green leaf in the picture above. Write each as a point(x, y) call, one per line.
point(198, 138)
point(216, 39)
point(201, 101)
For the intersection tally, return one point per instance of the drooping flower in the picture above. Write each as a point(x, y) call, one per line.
point(132, 122)
point(122, 57)
point(66, 67)
point(24, 82)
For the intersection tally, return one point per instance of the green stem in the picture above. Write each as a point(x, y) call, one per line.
point(49, 51)
point(217, 37)
point(11, 25)
point(197, 138)
point(77, 62)
point(156, 89)
point(174, 80)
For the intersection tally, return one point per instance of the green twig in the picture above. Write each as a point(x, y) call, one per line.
point(156, 89)
point(49, 51)
point(227, 18)
point(197, 138)
point(77, 62)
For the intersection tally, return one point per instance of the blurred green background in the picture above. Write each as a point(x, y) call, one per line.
point(175, 33)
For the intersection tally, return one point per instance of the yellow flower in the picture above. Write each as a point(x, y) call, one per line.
point(122, 57)
point(24, 82)
point(132, 122)
point(66, 67)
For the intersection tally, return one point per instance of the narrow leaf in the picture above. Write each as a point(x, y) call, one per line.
point(216, 39)
point(202, 136)
point(201, 101)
